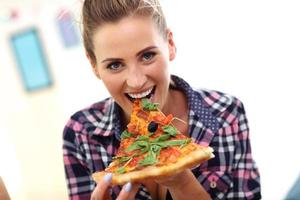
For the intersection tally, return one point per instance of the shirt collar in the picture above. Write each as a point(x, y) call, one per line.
point(197, 106)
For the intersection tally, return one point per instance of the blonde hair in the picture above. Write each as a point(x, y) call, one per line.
point(95, 13)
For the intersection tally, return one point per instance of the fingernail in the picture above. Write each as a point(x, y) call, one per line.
point(107, 178)
point(128, 187)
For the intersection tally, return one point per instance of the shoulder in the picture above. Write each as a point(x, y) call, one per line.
point(222, 105)
point(87, 119)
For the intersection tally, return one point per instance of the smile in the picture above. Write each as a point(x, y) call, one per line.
point(146, 94)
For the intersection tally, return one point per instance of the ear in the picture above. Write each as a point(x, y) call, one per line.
point(171, 45)
point(93, 64)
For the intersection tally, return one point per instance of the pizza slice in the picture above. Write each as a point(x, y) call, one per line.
point(151, 146)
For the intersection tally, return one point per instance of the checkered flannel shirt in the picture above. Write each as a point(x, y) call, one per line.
point(91, 138)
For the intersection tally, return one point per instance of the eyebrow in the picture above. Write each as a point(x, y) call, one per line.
point(137, 54)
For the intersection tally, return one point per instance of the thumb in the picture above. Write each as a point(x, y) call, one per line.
point(128, 191)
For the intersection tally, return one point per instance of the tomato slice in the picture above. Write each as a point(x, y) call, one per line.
point(168, 119)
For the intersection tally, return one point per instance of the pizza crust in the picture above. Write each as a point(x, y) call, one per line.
point(198, 156)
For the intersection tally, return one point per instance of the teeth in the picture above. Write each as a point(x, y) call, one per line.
point(140, 95)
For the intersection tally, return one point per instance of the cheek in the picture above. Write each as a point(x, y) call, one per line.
point(160, 67)
point(112, 84)
point(161, 76)
point(162, 71)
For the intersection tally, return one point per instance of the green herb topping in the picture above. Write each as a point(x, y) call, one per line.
point(148, 106)
point(154, 147)
point(170, 130)
point(121, 170)
point(125, 134)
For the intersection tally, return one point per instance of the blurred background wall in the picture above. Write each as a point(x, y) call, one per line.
point(249, 49)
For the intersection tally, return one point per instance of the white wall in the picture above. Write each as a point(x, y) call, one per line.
point(249, 49)
point(246, 48)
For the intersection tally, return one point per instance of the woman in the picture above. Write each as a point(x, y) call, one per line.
point(130, 47)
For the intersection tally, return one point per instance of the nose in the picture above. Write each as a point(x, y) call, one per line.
point(136, 78)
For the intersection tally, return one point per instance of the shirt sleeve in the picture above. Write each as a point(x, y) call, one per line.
point(79, 182)
point(245, 175)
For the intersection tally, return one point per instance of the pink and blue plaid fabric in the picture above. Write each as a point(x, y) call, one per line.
point(92, 136)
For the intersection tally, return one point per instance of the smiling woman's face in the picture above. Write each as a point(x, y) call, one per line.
point(132, 60)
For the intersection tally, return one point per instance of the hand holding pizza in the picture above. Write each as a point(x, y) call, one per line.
point(101, 192)
point(184, 185)
point(179, 186)
point(152, 148)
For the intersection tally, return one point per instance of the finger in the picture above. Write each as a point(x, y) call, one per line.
point(171, 179)
point(101, 190)
point(128, 191)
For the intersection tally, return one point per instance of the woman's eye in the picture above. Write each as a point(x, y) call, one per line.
point(148, 56)
point(114, 66)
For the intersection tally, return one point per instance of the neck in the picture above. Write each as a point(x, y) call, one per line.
point(176, 104)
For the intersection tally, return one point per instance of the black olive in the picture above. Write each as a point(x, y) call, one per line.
point(152, 127)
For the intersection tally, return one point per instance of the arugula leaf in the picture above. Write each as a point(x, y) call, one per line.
point(143, 137)
point(145, 149)
point(142, 143)
point(133, 147)
point(125, 134)
point(162, 138)
point(121, 170)
point(151, 133)
point(178, 142)
point(137, 145)
point(149, 159)
point(170, 143)
point(156, 149)
point(170, 130)
point(148, 106)
point(124, 159)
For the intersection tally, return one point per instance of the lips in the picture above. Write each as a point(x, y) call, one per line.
point(145, 94)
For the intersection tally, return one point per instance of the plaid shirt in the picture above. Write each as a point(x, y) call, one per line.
point(91, 138)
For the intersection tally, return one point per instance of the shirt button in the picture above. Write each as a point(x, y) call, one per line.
point(213, 184)
point(213, 181)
